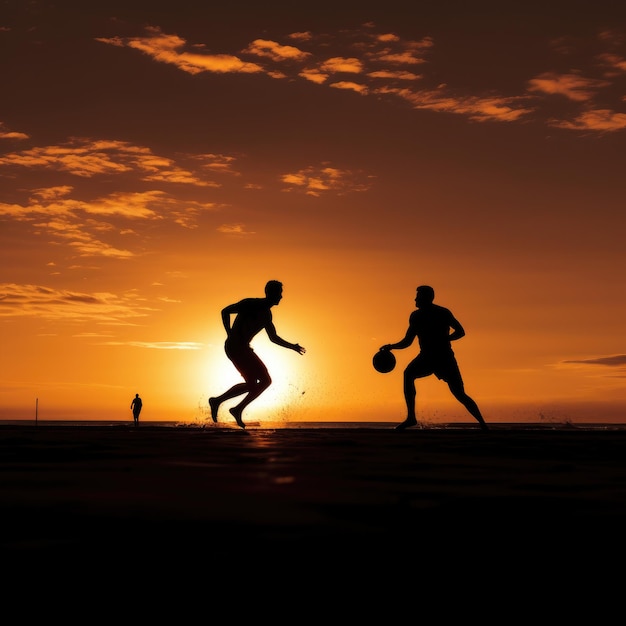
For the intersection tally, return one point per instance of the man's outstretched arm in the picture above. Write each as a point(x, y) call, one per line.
point(274, 338)
point(405, 342)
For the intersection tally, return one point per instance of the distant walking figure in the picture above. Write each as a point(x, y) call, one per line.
point(251, 316)
point(136, 405)
point(431, 325)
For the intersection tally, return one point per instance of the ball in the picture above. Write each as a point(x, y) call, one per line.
point(384, 361)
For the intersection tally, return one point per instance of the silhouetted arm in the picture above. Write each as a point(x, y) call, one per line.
point(274, 338)
point(405, 342)
point(457, 330)
point(231, 309)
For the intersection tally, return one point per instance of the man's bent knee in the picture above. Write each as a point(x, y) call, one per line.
point(264, 383)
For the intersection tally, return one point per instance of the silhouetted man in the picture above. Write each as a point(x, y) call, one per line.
point(431, 324)
point(251, 316)
point(136, 405)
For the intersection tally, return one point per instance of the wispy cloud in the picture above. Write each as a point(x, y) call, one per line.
point(170, 49)
point(6, 133)
point(595, 120)
point(87, 158)
point(157, 345)
point(83, 225)
point(571, 86)
point(315, 181)
point(379, 64)
point(275, 51)
point(615, 360)
point(72, 306)
point(234, 229)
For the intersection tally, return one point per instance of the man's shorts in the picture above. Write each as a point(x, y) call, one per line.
point(248, 364)
point(444, 367)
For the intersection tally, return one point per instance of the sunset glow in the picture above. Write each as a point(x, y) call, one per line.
point(158, 163)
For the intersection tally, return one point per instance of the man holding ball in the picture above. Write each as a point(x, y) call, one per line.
point(431, 324)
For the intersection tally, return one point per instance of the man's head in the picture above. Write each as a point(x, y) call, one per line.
point(424, 295)
point(274, 291)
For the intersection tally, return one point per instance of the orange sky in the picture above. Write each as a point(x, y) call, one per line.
point(159, 164)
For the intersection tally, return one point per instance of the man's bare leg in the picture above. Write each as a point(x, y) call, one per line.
point(236, 413)
point(214, 404)
point(254, 391)
point(233, 392)
point(409, 397)
point(470, 405)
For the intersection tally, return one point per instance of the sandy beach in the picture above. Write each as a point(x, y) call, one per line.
point(99, 493)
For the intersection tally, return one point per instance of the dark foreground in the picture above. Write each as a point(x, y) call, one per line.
point(227, 502)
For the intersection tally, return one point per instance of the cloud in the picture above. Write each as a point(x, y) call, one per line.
point(82, 225)
point(339, 64)
point(220, 163)
point(275, 51)
point(394, 75)
point(71, 306)
point(571, 86)
point(314, 75)
point(302, 36)
point(87, 158)
point(157, 345)
point(602, 120)
point(345, 84)
point(478, 109)
point(617, 360)
point(234, 229)
point(169, 49)
point(614, 64)
point(384, 61)
point(315, 181)
point(11, 134)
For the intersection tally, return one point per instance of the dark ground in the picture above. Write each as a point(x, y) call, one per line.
point(239, 506)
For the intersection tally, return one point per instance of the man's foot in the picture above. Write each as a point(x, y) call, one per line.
point(214, 404)
point(406, 424)
point(484, 426)
point(236, 413)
